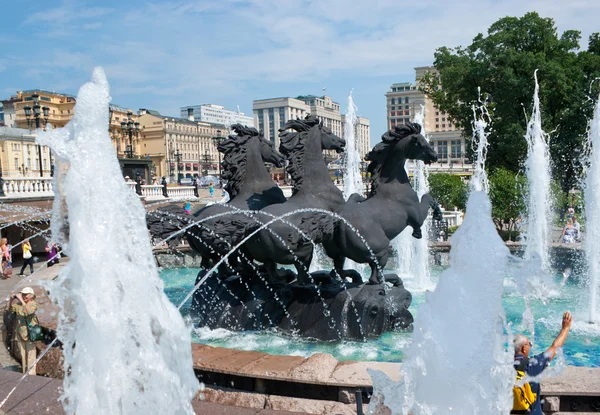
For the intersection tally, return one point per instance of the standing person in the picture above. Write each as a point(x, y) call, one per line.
point(5, 259)
point(188, 208)
point(53, 255)
point(27, 258)
point(535, 365)
point(569, 234)
point(211, 189)
point(24, 306)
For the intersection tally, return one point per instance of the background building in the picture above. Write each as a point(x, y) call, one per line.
point(215, 114)
point(179, 147)
point(405, 101)
point(271, 114)
point(59, 108)
point(19, 154)
point(362, 132)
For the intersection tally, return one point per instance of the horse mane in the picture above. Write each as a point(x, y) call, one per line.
point(234, 150)
point(292, 146)
point(379, 153)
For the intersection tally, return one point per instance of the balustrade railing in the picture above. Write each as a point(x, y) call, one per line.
point(181, 192)
point(28, 187)
point(31, 187)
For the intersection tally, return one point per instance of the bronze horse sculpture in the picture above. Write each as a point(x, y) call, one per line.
point(391, 206)
point(312, 188)
point(250, 187)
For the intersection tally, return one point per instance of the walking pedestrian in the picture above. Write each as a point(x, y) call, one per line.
point(27, 258)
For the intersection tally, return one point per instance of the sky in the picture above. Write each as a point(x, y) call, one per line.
point(163, 55)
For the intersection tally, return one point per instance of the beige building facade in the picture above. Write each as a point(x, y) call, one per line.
point(179, 147)
point(19, 154)
point(59, 109)
point(405, 100)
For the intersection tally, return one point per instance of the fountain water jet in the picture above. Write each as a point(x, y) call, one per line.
point(592, 204)
point(459, 329)
point(413, 254)
point(352, 178)
point(126, 347)
point(537, 168)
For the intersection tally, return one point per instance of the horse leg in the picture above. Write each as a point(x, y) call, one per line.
point(377, 264)
point(302, 267)
point(421, 215)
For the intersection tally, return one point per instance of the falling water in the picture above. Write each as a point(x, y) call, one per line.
point(481, 122)
point(413, 254)
point(592, 206)
point(537, 168)
point(127, 349)
point(459, 330)
point(352, 178)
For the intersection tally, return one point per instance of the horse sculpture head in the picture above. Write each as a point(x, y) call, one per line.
point(295, 139)
point(269, 154)
point(235, 151)
point(410, 143)
point(396, 146)
point(403, 142)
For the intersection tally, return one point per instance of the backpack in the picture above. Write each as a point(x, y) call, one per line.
point(523, 396)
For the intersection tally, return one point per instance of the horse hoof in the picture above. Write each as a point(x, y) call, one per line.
point(417, 234)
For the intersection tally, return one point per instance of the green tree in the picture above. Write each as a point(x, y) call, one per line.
point(449, 190)
point(502, 64)
point(507, 195)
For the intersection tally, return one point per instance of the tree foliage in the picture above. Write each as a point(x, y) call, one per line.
point(507, 195)
point(502, 64)
point(449, 190)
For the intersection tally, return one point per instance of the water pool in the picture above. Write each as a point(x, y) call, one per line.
point(581, 349)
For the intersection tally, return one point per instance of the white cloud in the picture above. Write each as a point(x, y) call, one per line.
point(203, 50)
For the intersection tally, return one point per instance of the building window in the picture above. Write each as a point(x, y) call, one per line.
point(456, 149)
point(393, 101)
point(443, 125)
point(281, 117)
point(442, 149)
point(406, 100)
point(16, 163)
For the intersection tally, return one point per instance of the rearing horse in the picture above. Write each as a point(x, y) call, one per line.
point(250, 187)
point(391, 206)
point(313, 188)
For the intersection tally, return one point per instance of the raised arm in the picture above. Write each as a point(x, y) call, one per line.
point(562, 336)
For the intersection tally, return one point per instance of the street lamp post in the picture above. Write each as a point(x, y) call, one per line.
point(130, 129)
point(38, 111)
point(207, 161)
point(217, 140)
point(178, 161)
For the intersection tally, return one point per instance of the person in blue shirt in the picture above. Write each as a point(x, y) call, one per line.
point(535, 365)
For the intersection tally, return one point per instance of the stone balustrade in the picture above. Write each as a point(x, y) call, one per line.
point(28, 187)
point(152, 191)
point(181, 192)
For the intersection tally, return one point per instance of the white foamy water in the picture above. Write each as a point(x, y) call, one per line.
point(459, 329)
point(592, 207)
point(537, 168)
point(352, 178)
point(127, 349)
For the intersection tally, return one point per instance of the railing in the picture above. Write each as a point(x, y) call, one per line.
point(153, 191)
point(181, 192)
point(28, 187)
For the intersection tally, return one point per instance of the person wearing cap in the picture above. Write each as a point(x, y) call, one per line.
point(24, 306)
